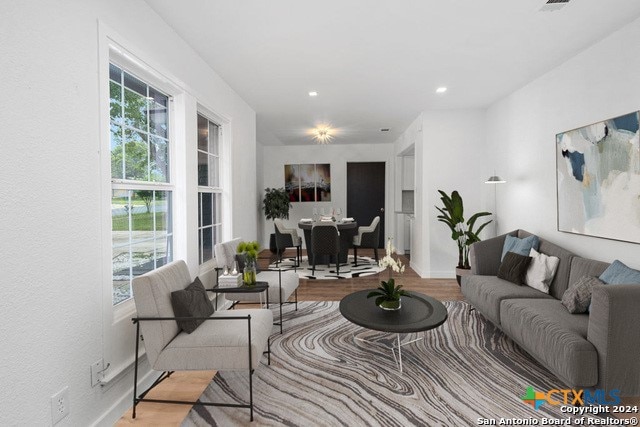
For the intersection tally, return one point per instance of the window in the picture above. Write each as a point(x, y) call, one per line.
point(141, 190)
point(209, 188)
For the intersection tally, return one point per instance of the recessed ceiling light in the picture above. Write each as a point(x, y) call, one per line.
point(313, 93)
point(441, 89)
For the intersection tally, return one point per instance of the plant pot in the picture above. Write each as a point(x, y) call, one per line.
point(460, 272)
point(391, 305)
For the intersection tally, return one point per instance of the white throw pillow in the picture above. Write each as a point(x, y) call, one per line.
point(541, 271)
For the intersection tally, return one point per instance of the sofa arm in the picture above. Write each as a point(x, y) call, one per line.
point(484, 256)
point(613, 330)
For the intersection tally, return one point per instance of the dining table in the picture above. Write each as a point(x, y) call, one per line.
point(347, 230)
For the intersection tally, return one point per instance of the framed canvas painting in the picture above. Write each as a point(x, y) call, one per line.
point(323, 182)
point(292, 181)
point(307, 183)
point(598, 179)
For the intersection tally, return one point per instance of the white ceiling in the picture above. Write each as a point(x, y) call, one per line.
point(376, 63)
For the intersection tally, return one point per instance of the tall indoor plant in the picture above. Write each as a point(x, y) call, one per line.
point(452, 214)
point(276, 205)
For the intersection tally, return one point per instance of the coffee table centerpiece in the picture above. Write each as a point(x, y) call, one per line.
point(389, 295)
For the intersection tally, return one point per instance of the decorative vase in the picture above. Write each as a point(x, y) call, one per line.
point(391, 305)
point(249, 273)
point(460, 272)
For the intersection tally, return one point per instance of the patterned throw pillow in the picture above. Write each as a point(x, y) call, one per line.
point(514, 268)
point(578, 297)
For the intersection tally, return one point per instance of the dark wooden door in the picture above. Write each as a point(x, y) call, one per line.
point(366, 193)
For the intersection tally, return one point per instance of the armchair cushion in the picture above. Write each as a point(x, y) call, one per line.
point(191, 302)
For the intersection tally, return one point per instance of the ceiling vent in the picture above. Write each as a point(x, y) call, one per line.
point(553, 5)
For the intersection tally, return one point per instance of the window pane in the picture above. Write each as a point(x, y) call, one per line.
point(207, 244)
point(120, 216)
point(136, 155)
point(135, 84)
point(217, 208)
point(159, 152)
point(162, 212)
point(207, 212)
point(142, 258)
point(117, 170)
point(213, 138)
point(203, 133)
point(135, 110)
point(199, 210)
point(203, 169)
point(158, 120)
point(214, 180)
point(200, 246)
point(142, 205)
point(217, 234)
point(163, 251)
point(115, 73)
point(115, 102)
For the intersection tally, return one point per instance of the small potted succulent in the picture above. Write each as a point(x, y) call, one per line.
point(388, 295)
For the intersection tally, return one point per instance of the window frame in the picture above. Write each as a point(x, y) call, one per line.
point(211, 189)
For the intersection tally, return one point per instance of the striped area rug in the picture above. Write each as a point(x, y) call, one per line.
point(463, 371)
point(367, 266)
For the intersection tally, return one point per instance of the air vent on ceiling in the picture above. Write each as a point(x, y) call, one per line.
point(553, 5)
point(385, 130)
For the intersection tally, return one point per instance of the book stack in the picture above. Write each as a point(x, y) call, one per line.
point(230, 280)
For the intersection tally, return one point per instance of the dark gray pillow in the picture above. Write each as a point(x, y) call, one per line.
point(192, 301)
point(578, 297)
point(514, 267)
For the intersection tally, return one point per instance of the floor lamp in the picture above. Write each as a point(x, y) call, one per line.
point(495, 179)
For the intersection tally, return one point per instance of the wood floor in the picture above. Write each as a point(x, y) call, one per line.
point(190, 385)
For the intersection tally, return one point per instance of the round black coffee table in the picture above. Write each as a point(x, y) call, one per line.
point(418, 314)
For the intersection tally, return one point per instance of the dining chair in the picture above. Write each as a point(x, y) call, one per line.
point(367, 237)
point(325, 240)
point(287, 238)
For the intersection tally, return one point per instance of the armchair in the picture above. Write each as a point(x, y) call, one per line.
point(225, 341)
point(287, 238)
point(325, 240)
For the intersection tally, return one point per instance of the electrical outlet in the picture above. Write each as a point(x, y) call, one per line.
point(60, 405)
point(96, 372)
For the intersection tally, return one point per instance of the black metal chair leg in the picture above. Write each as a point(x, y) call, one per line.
point(375, 251)
point(355, 256)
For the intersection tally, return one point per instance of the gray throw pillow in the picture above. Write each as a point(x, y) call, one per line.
point(192, 301)
point(514, 268)
point(578, 297)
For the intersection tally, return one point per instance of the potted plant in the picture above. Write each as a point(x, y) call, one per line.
point(250, 252)
point(388, 295)
point(275, 204)
point(452, 214)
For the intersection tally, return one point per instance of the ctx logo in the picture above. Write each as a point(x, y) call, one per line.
point(570, 397)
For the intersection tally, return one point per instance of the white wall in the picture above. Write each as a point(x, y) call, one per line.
point(449, 156)
point(601, 82)
point(275, 157)
point(51, 255)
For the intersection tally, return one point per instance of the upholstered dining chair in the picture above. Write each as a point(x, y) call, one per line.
point(287, 238)
point(325, 240)
point(182, 332)
point(367, 237)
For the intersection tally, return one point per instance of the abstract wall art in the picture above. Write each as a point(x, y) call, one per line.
point(308, 182)
point(598, 179)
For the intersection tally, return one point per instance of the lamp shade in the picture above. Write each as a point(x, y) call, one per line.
point(495, 179)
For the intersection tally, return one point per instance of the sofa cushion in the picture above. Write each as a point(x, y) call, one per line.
point(541, 271)
point(578, 297)
point(486, 292)
point(619, 274)
point(581, 267)
point(556, 338)
point(514, 268)
point(191, 301)
point(520, 246)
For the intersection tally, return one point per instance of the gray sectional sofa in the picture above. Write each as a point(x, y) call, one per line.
point(599, 349)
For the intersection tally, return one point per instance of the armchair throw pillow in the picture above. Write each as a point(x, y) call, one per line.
point(514, 268)
point(192, 301)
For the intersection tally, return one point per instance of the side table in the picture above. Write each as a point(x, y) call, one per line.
point(259, 287)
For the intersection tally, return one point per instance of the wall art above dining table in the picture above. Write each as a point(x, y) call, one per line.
point(308, 182)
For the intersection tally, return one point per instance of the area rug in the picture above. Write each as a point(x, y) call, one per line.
point(463, 371)
point(366, 267)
